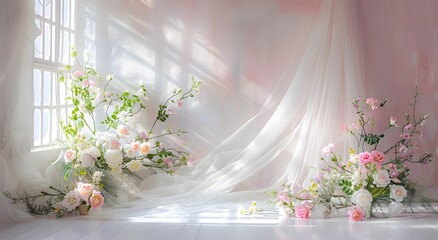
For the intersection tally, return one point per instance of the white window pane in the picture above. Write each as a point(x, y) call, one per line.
point(37, 87)
point(52, 56)
point(46, 88)
point(47, 9)
point(47, 42)
point(65, 13)
point(73, 14)
point(68, 81)
point(62, 93)
point(65, 45)
point(37, 127)
point(54, 90)
point(46, 126)
point(63, 115)
point(72, 43)
point(55, 126)
point(56, 20)
point(38, 8)
point(38, 41)
point(54, 11)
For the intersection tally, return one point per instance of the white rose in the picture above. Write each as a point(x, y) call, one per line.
point(89, 156)
point(134, 165)
point(117, 170)
point(362, 198)
point(395, 208)
point(71, 200)
point(381, 178)
point(397, 192)
point(113, 158)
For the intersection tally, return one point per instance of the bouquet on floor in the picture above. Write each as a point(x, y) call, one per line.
point(366, 180)
point(98, 151)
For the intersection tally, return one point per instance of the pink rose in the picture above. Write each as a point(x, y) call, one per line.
point(365, 158)
point(144, 148)
point(135, 146)
point(378, 157)
point(302, 211)
point(115, 144)
point(85, 189)
point(96, 200)
point(122, 130)
point(355, 214)
point(69, 155)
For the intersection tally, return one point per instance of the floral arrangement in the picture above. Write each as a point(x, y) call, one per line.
point(368, 179)
point(99, 150)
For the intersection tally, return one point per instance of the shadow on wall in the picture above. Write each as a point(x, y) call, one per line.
point(237, 48)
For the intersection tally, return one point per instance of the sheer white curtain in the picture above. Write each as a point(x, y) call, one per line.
point(278, 77)
point(17, 172)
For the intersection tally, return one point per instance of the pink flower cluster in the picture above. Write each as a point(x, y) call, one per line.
point(374, 103)
point(371, 157)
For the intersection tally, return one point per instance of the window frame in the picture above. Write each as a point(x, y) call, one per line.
point(59, 29)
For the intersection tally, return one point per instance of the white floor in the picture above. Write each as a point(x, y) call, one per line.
point(221, 224)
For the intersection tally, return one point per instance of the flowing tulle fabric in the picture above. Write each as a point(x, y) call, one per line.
point(252, 128)
point(304, 112)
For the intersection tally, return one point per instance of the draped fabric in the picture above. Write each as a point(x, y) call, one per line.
point(278, 78)
point(16, 36)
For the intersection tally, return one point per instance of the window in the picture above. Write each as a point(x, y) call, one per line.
point(56, 22)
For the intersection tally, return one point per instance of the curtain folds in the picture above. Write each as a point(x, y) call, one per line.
point(253, 128)
point(306, 111)
point(17, 173)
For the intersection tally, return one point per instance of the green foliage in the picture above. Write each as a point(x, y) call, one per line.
point(372, 139)
point(347, 186)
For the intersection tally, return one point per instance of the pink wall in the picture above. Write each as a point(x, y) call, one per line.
point(400, 40)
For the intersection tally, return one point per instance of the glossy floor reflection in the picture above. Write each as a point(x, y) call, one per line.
point(220, 224)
